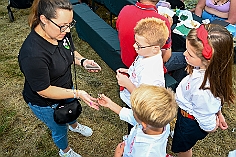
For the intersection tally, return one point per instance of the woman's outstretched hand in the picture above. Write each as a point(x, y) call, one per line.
point(89, 100)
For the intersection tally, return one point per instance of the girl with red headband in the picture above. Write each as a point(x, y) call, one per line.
point(201, 94)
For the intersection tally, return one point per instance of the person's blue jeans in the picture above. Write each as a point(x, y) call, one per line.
point(59, 132)
point(231, 28)
point(176, 65)
point(211, 17)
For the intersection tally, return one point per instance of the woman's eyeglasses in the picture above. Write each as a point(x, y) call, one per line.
point(142, 47)
point(65, 27)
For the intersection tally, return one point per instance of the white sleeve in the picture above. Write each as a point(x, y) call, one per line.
point(205, 107)
point(127, 115)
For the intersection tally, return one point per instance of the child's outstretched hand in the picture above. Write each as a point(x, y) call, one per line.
point(103, 100)
point(119, 149)
point(107, 102)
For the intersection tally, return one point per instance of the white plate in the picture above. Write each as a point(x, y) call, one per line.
point(191, 23)
point(164, 10)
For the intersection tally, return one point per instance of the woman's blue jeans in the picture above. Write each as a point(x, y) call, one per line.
point(211, 17)
point(231, 28)
point(59, 132)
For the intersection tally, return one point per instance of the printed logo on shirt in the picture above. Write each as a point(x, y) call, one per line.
point(132, 145)
point(134, 74)
point(188, 86)
point(66, 43)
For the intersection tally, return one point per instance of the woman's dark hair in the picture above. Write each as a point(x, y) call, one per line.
point(47, 8)
point(219, 69)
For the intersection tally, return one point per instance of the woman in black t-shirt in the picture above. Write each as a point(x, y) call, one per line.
point(45, 59)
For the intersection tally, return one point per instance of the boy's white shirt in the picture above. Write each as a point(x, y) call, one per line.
point(139, 144)
point(145, 71)
point(199, 103)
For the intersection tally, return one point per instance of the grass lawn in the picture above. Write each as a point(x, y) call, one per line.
point(22, 134)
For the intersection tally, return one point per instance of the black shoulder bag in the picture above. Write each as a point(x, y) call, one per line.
point(65, 111)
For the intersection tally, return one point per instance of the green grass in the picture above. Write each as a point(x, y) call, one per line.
point(7, 118)
point(22, 134)
point(190, 4)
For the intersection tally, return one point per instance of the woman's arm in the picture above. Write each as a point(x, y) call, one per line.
point(199, 7)
point(54, 92)
point(216, 12)
point(58, 93)
point(232, 12)
point(80, 60)
point(166, 54)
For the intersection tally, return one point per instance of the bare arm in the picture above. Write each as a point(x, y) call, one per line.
point(232, 12)
point(58, 93)
point(166, 54)
point(107, 102)
point(54, 92)
point(119, 149)
point(79, 58)
point(199, 7)
point(222, 123)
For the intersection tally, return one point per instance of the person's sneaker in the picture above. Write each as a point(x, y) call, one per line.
point(82, 129)
point(70, 153)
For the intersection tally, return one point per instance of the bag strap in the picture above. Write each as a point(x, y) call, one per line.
point(73, 54)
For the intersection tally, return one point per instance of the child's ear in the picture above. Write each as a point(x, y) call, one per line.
point(156, 49)
point(144, 125)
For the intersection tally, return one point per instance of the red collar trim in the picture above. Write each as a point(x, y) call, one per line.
point(146, 7)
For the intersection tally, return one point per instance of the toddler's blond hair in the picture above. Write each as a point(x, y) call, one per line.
point(154, 105)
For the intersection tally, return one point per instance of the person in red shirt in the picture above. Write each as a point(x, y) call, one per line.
point(127, 19)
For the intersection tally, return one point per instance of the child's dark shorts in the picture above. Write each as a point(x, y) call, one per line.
point(186, 133)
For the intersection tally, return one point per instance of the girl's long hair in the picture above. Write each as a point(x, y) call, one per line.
point(219, 69)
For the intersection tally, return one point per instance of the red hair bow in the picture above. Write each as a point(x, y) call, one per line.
point(202, 34)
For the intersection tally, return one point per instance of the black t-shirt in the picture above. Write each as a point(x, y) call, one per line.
point(44, 64)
